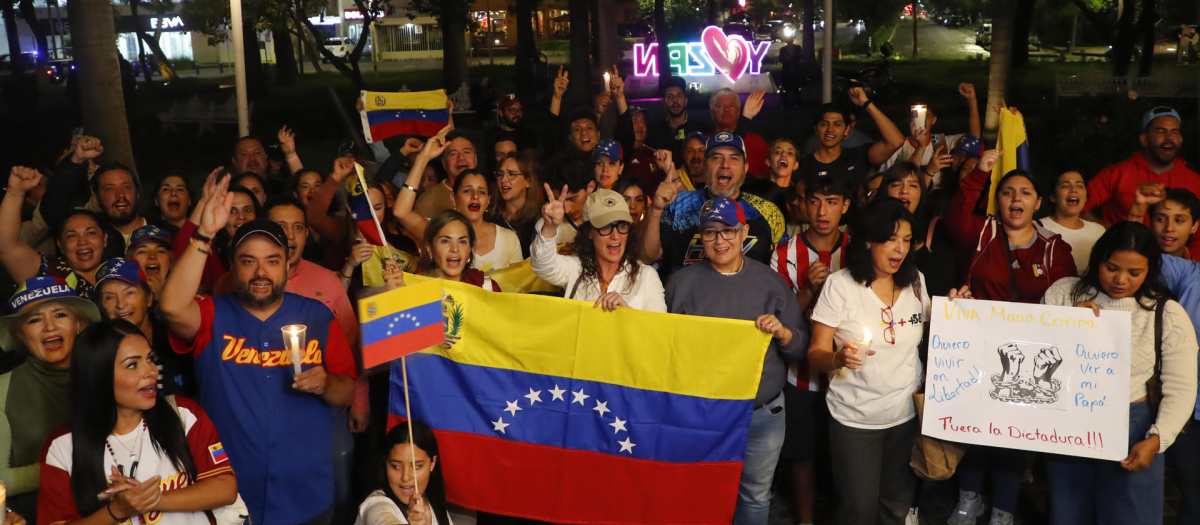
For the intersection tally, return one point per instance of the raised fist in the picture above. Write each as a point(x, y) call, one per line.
point(1010, 362)
point(1044, 365)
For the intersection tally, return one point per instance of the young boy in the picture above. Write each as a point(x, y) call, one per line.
point(1173, 216)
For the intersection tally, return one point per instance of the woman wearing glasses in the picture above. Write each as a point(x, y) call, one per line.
point(520, 198)
point(867, 326)
point(604, 270)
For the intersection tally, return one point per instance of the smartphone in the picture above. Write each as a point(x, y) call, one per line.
point(76, 133)
point(918, 115)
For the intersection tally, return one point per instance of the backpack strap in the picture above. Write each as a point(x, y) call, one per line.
point(574, 288)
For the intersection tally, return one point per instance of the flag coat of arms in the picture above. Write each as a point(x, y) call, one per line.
point(400, 322)
point(550, 409)
point(386, 115)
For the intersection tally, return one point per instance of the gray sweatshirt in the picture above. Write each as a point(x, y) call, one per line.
point(698, 289)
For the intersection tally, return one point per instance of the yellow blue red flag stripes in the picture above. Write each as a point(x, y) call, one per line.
point(400, 322)
point(586, 416)
point(361, 210)
point(1015, 145)
point(386, 115)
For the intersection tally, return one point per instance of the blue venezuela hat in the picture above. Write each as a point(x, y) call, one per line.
point(38, 290)
point(1160, 111)
point(149, 232)
point(698, 135)
point(608, 148)
point(969, 144)
point(121, 269)
point(723, 210)
point(722, 140)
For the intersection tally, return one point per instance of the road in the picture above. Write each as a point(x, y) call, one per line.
point(935, 42)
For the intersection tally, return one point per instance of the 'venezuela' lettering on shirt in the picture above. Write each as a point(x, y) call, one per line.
point(237, 351)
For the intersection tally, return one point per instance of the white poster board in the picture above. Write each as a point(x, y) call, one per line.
point(1032, 377)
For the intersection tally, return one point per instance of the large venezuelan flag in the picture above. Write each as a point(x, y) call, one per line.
point(550, 409)
point(386, 115)
point(1015, 145)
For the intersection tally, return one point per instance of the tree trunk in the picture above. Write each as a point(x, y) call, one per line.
point(1022, 20)
point(39, 34)
point(594, 20)
point(285, 55)
point(663, 34)
point(454, 44)
point(1123, 50)
point(143, 65)
point(99, 74)
point(1002, 19)
point(14, 40)
point(526, 59)
point(256, 86)
point(1102, 29)
point(808, 39)
point(581, 79)
point(712, 13)
point(151, 41)
point(1146, 21)
point(608, 43)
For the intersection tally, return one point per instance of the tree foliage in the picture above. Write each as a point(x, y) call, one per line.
point(684, 17)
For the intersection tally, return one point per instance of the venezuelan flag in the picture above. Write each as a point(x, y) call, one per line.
point(1015, 145)
point(361, 209)
point(400, 322)
point(386, 115)
point(553, 410)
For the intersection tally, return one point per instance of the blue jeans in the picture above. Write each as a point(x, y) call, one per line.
point(1006, 467)
point(767, 427)
point(1184, 455)
point(1099, 492)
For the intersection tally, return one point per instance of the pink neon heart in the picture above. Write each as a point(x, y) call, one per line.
point(730, 54)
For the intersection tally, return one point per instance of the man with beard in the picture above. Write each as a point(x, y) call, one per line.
point(250, 156)
point(1111, 192)
point(510, 118)
point(116, 190)
point(671, 131)
point(71, 191)
point(671, 229)
point(278, 423)
point(691, 171)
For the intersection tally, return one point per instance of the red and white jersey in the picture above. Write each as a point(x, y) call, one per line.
point(57, 505)
point(792, 260)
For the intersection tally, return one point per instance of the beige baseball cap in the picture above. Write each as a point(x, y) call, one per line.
point(604, 207)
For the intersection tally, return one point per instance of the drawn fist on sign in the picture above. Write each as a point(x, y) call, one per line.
point(1044, 365)
point(1010, 360)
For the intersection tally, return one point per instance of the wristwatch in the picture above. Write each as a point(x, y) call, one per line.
point(201, 237)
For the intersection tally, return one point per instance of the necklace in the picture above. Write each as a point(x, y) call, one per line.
point(133, 453)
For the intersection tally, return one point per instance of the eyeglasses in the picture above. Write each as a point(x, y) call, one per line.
point(507, 175)
point(889, 331)
point(728, 234)
point(621, 226)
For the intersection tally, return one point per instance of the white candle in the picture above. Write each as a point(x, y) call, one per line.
point(295, 342)
point(297, 355)
point(918, 115)
point(607, 81)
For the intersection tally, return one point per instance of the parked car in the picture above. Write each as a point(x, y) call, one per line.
point(743, 30)
point(340, 46)
point(764, 32)
point(983, 33)
point(954, 21)
point(635, 30)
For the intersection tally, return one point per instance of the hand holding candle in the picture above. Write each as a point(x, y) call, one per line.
point(607, 81)
point(295, 339)
point(855, 351)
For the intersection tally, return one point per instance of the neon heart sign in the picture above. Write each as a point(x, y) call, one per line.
point(716, 52)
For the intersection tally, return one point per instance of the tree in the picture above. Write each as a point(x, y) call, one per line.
point(580, 68)
point(526, 59)
point(664, 55)
point(455, 19)
point(160, 8)
point(1146, 25)
point(1022, 20)
point(211, 17)
point(808, 43)
point(1000, 62)
point(100, 93)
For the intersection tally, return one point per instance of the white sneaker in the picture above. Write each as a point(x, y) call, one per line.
point(970, 507)
point(1000, 517)
point(911, 519)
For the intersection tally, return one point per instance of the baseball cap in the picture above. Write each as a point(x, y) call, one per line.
point(634, 110)
point(121, 269)
point(149, 232)
point(1160, 111)
point(349, 147)
point(722, 140)
point(698, 135)
point(969, 144)
point(38, 290)
point(723, 210)
point(604, 207)
point(260, 227)
point(507, 101)
point(607, 148)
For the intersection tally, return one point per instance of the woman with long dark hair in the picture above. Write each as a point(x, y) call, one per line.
point(412, 490)
point(1123, 274)
point(131, 453)
point(603, 269)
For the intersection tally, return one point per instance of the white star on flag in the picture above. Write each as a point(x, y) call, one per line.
point(500, 425)
point(557, 393)
point(618, 425)
point(533, 396)
point(601, 407)
point(580, 397)
point(627, 446)
point(512, 407)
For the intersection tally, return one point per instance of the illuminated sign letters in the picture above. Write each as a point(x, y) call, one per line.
point(731, 55)
point(173, 22)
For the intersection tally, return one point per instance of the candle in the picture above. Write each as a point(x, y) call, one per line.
point(295, 342)
point(918, 115)
point(3, 501)
point(607, 81)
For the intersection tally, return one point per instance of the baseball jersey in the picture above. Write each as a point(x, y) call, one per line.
point(792, 260)
point(56, 504)
point(278, 438)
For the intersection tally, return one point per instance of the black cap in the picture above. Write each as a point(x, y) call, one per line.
point(261, 227)
point(349, 147)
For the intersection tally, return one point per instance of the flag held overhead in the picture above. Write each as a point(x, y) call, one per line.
point(386, 115)
point(400, 322)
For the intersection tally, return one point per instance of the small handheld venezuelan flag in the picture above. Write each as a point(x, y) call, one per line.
point(361, 209)
point(386, 115)
point(401, 322)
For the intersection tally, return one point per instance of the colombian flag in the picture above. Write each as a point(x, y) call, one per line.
point(1013, 142)
point(386, 115)
point(400, 322)
point(550, 409)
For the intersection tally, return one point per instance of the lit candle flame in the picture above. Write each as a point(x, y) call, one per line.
point(607, 78)
point(866, 335)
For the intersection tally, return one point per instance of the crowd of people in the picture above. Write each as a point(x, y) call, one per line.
point(184, 403)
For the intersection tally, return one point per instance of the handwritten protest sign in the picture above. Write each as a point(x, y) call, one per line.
point(1032, 377)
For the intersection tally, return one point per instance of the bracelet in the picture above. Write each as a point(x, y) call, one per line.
point(201, 237)
point(409, 186)
point(344, 276)
point(867, 103)
point(291, 156)
point(108, 507)
point(201, 246)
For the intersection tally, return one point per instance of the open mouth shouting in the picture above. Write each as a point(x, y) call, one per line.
point(453, 262)
point(585, 143)
point(1016, 211)
point(894, 262)
point(613, 248)
point(86, 256)
point(261, 286)
point(506, 190)
point(52, 343)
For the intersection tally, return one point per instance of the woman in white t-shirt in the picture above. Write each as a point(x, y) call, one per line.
point(158, 464)
point(414, 492)
point(867, 327)
point(1068, 197)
